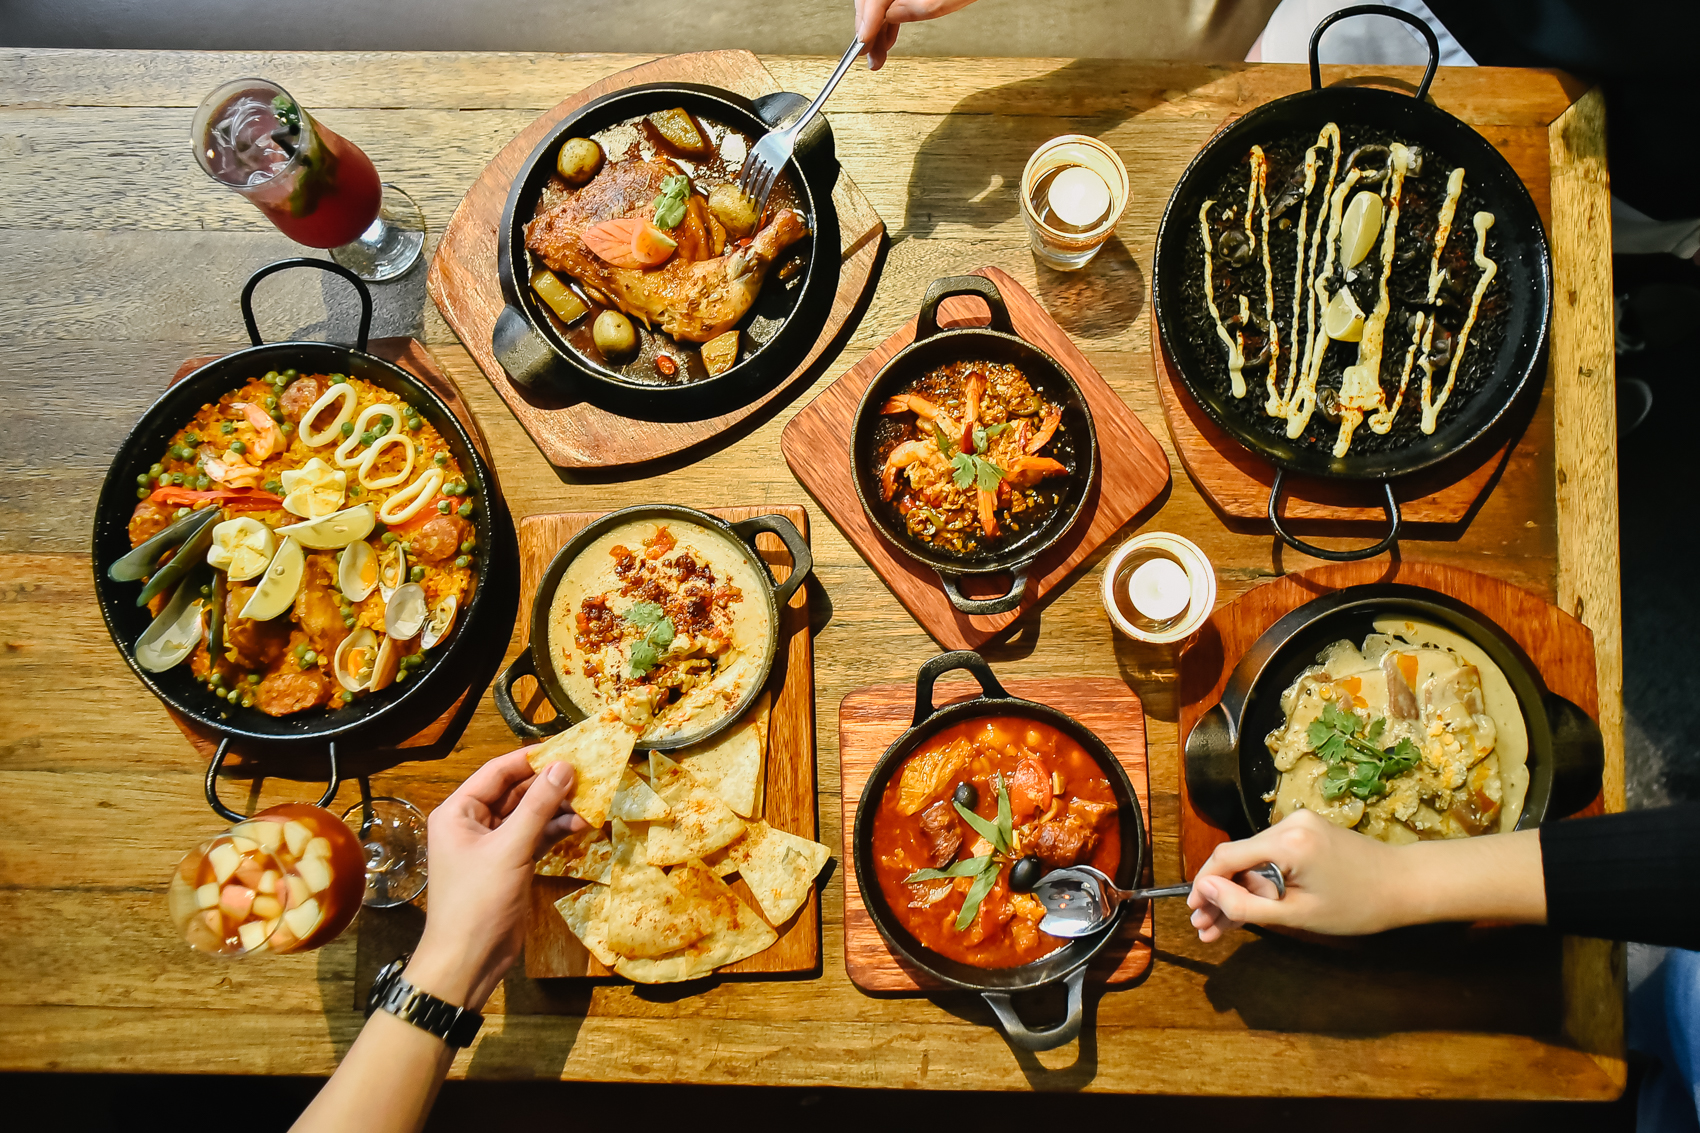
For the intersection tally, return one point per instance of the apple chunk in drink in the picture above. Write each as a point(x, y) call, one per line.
point(228, 896)
point(323, 872)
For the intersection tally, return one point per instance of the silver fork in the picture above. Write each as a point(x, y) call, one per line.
point(762, 165)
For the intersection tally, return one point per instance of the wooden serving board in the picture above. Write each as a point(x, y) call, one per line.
point(1561, 647)
point(465, 287)
point(1236, 481)
point(553, 951)
point(1134, 471)
point(438, 738)
point(870, 718)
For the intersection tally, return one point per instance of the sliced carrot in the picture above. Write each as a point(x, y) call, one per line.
point(651, 246)
point(611, 241)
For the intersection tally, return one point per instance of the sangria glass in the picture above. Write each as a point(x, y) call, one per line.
point(392, 836)
point(288, 879)
point(250, 135)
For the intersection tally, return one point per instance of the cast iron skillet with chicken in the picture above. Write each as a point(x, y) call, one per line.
point(635, 274)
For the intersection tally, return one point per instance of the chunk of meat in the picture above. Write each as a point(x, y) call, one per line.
point(300, 394)
point(438, 538)
point(251, 644)
point(287, 691)
point(1029, 789)
point(701, 291)
point(1089, 812)
point(1063, 841)
point(995, 912)
point(148, 520)
point(1401, 698)
point(944, 832)
point(316, 608)
point(925, 775)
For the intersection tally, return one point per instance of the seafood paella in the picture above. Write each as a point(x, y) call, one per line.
point(302, 542)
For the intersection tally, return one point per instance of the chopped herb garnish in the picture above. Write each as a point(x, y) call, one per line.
point(971, 468)
point(984, 870)
point(658, 633)
point(670, 205)
point(1355, 765)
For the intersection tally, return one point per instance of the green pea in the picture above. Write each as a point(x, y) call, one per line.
point(389, 537)
point(348, 428)
point(368, 437)
point(177, 479)
point(142, 493)
point(287, 429)
point(271, 375)
point(274, 486)
point(253, 678)
point(183, 513)
point(247, 702)
point(235, 695)
point(338, 379)
point(301, 653)
point(143, 480)
point(417, 574)
point(443, 506)
point(206, 591)
point(401, 675)
point(202, 483)
point(238, 447)
point(155, 469)
point(349, 621)
point(291, 374)
point(441, 459)
point(271, 403)
point(462, 562)
point(310, 659)
point(227, 428)
point(413, 424)
point(355, 489)
point(466, 547)
point(216, 680)
point(192, 439)
point(164, 480)
point(465, 510)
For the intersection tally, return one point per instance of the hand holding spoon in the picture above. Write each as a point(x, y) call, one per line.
point(1081, 900)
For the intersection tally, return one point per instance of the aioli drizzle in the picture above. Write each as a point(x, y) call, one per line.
point(1431, 413)
point(1423, 325)
point(1236, 356)
point(1360, 383)
point(1277, 404)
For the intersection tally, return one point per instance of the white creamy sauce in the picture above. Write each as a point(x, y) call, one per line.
point(1431, 410)
point(1360, 383)
point(1236, 358)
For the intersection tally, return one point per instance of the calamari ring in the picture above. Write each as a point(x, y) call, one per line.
point(371, 457)
point(320, 438)
point(405, 504)
point(345, 457)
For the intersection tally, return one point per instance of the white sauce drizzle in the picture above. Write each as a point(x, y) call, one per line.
point(1360, 383)
point(1431, 413)
point(1304, 398)
point(1426, 324)
point(1278, 403)
point(1260, 178)
point(1236, 358)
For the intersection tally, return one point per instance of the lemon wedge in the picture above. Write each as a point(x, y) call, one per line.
point(1341, 319)
point(313, 490)
point(1359, 228)
point(276, 591)
point(338, 529)
point(241, 548)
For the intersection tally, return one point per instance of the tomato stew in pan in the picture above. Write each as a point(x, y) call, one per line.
point(1039, 801)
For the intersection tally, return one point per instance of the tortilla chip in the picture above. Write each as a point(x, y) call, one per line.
point(701, 821)
point(586, 913)
point(585, 855)
point(779, 867)
point(707, 702)
point(646, 916)
point(732, 764)
point(599, 750)
point(736, 932)
point(635, 801)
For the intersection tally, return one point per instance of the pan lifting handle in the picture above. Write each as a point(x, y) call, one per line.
point(1376, 10)
point(1391, 504)
point(233, 816)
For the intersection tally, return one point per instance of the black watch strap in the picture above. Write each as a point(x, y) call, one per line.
point(456, 1026)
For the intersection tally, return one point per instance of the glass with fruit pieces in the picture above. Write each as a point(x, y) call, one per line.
point(323, 872)
point(228, 897)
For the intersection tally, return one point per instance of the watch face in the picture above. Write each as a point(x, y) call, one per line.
point(386, 978)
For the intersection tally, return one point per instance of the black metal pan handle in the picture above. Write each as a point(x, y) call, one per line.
point(936, 667)
point(306, 262)
point(1579, 758)
point(1003, 605)
point(1390, 504)
point(802, 561)
point(1376, 10)
point(1047, 1038)
point(233, 816)
point(942, 289)
point(503, 691)
point(1212, 768)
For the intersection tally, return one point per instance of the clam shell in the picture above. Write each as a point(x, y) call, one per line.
point(442, 620)
point(356, 659)
point(405, 612)
point(392, 569)
point(388, 664)
point(357, 573)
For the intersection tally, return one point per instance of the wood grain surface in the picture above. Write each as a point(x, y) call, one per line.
point(551, 950)
point(1133, 472)
point(99, 304)
point(464, 284)
point(869, 719)
point(1561, 647)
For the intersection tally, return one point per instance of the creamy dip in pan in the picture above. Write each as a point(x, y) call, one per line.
point(665, 621)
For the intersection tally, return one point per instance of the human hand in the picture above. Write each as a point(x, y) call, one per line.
point(877, 21)
point(1339, 882)
point(484, 841)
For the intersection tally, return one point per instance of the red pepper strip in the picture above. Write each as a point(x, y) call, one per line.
point(228, 497)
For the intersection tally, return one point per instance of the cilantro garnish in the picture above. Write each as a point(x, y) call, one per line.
point(972, 468)
point(984, 870)
point(1355, 764)
point(657, 636)
point(670, 205)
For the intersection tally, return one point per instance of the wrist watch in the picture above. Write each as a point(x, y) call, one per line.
point(456, 1026)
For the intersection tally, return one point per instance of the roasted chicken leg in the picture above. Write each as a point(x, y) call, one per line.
point(701, 291)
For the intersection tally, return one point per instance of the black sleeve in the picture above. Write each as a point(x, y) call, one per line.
point(1631, 876)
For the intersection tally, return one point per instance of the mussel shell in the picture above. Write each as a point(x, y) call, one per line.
point(172, 637)
point(355, 558)
point(442, 620)
point(361, 640)
point(405, 612)
point(137, 564)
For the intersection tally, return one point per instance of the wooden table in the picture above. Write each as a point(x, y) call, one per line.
point(118, 259)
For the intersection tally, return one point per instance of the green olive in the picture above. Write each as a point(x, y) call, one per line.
point(579, 161)
point(733, 209)
point(614, 335)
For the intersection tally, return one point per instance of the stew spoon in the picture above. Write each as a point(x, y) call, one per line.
point(1082, 900)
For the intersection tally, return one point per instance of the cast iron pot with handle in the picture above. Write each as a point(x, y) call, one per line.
point(536, 662)
point(784, 321)
point(1075, 443)
point(1069, 963)
point(387, 716)
point(1229, 768)
point(1525, 274)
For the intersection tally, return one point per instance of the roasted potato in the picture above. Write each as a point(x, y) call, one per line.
point(719, 352)
point(561, 300)
point(733, 209)
point(679, 130)
point(580, 160)
point(614, 334)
